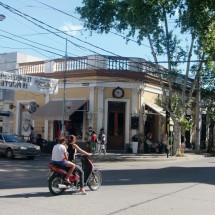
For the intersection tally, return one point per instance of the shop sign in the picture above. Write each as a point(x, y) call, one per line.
point(12, 81)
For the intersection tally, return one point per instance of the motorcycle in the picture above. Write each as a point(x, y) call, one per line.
point(57, 185)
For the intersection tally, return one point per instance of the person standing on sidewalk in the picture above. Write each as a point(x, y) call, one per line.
point(93, 142)
point(166, 144)
point(101, 141)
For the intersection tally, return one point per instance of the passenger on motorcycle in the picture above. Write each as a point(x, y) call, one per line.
point(60, 157)
point(72, 148)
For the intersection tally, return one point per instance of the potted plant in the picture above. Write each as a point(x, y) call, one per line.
point(134, 141)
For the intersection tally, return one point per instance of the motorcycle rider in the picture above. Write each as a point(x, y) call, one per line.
point(60, 157)
point(72, 148)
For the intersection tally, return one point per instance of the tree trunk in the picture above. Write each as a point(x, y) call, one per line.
point(177, 138)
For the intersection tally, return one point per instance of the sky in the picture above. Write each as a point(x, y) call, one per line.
point(17, 34)
point(81, 43)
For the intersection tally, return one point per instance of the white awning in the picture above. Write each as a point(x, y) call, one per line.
point(53, 110)
point(158, 110)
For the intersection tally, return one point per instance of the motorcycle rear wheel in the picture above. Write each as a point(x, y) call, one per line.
point(53, 185)
point(95, 181)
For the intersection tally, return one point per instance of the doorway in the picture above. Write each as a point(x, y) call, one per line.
point(116, 126)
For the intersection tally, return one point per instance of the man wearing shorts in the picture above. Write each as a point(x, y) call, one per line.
point(60, 157)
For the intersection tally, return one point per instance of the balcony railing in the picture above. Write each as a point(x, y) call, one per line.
point(32, 68)
point(90, 62)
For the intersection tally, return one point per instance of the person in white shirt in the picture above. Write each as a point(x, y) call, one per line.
point(60, 157)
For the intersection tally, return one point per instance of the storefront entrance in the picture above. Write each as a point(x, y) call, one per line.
point(116, 126)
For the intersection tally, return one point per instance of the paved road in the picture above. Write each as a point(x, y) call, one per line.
point(129, 187)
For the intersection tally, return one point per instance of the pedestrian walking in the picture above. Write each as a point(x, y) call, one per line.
point(101, 141)
point(32, 135)
point(93, 142)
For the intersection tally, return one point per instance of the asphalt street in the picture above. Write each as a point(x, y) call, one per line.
point(176, 186)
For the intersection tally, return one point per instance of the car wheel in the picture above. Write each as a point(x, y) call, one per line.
point(9, 153)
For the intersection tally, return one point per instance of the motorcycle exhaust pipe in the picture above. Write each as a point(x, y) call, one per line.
point(61, 186)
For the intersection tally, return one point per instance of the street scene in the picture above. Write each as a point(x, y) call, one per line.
point(107, 107)
point(148, 186)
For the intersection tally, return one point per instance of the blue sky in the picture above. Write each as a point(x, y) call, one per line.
point(16, 25)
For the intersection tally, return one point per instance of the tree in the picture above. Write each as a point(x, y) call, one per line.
point(150, 19)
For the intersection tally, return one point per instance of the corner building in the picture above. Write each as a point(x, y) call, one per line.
point(114, 93)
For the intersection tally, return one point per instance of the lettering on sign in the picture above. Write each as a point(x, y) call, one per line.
point(26, 82)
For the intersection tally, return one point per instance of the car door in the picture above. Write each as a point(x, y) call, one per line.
point(2, 144)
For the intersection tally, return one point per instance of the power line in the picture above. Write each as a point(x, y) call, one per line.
point(84, 48)
point(23, 15)
point(29, 45)
point(81, 21)
point(31, 41)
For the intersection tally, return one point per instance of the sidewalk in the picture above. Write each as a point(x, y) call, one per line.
point(146, 157)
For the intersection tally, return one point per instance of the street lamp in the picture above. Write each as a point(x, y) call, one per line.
point(171, 131)
point(2, 17)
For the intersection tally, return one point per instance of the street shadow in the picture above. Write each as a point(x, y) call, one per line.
point(38, 194)
point(22, 173)
point(27, 195)
point(169, 175)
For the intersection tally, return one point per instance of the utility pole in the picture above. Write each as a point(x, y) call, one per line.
point(64, 93)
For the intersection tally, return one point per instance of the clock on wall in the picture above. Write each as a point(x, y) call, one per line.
point(118, 92)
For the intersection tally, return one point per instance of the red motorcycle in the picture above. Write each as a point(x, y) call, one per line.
point(57, 185)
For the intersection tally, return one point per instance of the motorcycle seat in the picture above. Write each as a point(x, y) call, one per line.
point(59, 166)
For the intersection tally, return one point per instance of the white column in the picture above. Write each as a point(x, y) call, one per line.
point(46, 122)
point(134, 106)
point(91, 106)
point(141, 110)
point(100, 108)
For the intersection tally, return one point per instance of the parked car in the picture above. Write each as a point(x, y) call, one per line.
point(12, 146)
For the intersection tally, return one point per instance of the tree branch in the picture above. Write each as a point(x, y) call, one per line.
point(187, 71)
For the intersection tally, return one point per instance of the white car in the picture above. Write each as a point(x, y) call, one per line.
point(12, 146)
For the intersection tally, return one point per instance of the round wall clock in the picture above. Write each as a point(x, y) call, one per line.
point(118, 92)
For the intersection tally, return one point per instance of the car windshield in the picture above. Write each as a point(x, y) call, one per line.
point(11, 138)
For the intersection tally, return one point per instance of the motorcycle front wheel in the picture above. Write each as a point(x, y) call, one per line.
point(53, 183)
point(95, 181)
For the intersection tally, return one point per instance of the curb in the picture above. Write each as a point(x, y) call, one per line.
point(112, 158)
point(144, 157)
point(123, 157)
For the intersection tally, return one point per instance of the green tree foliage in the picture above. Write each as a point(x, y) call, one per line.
point(151, 19)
